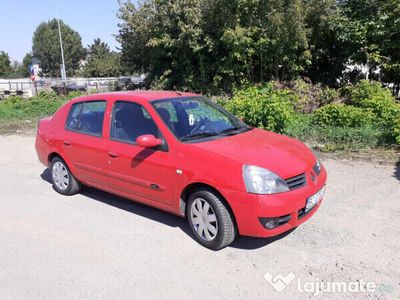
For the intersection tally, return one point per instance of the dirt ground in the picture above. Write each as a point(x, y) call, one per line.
point(97, 246)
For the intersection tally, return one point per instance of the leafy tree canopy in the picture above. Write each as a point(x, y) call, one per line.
point(99, 48)
point(102, 62)
point(46, 48)
point(5, 64)
point(219, 44)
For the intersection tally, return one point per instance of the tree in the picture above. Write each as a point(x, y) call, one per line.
point(26, 61)
point(269, 40)
point(20, 70)
point(216, 45)
point(368, 31)
point(204, 44)
point(328, 56)
point(46, 48)
point(391, 46)
point(163, 39)
point(103, 66)
point(102, 62)
point(99, 48)
point(5, 64)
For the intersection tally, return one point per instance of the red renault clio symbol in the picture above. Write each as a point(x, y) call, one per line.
point(183, 154)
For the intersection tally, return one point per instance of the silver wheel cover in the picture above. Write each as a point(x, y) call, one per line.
point(60, 176)
point(204, 219)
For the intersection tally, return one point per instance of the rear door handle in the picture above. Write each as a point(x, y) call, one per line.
point(67, 143)
point(112, 154)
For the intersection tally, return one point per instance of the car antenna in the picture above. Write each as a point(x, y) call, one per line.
point(179, 93)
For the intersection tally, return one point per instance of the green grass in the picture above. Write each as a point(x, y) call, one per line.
point(332, 138)
point(20, 115)
point(21, 109)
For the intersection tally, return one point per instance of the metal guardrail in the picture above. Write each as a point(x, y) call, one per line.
point(28, 88)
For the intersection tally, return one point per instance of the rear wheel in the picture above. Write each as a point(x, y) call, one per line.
point(63, 181)
point(210, 220)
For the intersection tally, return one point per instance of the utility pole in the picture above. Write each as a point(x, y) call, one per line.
point(63, 72)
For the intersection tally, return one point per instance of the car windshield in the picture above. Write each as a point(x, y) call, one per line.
point(196, 118)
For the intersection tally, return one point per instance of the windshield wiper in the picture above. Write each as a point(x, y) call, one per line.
point(234, 130)
point(198, 136)
point(228, 131)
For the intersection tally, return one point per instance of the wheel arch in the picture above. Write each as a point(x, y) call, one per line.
point(53, 154)
point(74, 185)
point(192, 187)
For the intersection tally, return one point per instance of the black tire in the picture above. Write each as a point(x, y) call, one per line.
point(224, 225)
point(72, 187)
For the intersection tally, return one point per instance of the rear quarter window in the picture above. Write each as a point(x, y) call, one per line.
point(73, 116)
point(87, 117)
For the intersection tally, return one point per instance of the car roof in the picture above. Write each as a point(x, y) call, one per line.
point(139, 96)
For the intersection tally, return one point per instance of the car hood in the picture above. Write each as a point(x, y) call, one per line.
point(280, 154)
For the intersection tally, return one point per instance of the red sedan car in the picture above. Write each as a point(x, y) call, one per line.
point(183, 154)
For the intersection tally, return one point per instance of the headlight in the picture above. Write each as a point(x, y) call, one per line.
point(317, 167)
point(262, 181)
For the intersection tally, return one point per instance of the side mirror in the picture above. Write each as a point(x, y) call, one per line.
point(148, 141)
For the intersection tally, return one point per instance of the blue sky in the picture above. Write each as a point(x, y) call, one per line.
point(19, 19)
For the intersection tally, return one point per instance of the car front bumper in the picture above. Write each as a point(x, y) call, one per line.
point(251, 210)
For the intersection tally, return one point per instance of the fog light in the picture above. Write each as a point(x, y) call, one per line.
point(272, 223)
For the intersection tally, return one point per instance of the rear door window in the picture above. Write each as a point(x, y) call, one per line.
point(87, 117)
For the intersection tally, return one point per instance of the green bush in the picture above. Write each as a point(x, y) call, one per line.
point(221, 100)
point(333, 126)
point(263, 106)
point(310, 96)
point(390, 123)
point(371, 120)
point(369, 94)
point(341, 115)
point(42, 105)
point(299, 127)
point(328, 95)
point(46, 96)
point(379, 100)
point(72, 95)
point(396, 130)
point(307, 95)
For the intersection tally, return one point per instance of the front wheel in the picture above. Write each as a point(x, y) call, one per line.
point(210, 220)
point(63, 181)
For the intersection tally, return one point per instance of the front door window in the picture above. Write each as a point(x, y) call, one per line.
point(131, 120)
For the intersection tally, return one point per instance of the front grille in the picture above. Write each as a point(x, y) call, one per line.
point(296, 181)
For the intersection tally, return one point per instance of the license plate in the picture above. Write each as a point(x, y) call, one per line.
point(314, 199)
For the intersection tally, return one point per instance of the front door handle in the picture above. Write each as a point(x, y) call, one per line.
point(112, 154)
point(154, 186)
point(67, 143)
